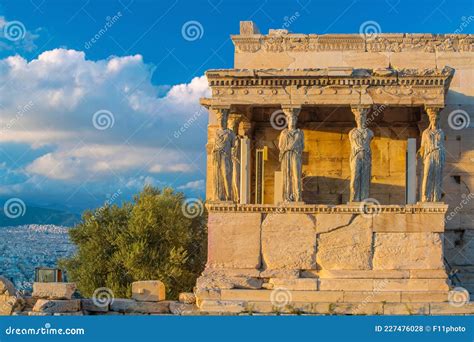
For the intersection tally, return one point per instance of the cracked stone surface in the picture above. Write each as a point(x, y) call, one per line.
point(349, 247)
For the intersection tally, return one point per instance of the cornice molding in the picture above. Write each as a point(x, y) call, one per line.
point(360, 208)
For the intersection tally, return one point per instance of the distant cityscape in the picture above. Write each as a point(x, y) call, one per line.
point(24, 247)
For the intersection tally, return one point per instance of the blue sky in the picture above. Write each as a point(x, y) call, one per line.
point(143, 78)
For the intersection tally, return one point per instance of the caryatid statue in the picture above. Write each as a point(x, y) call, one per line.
point(361, 156)
point(291, 145)
point(432, 151)
point(234, 120)
point(224, 140)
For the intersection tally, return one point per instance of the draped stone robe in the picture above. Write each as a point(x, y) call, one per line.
point(433, 153)
point(360, 163)
point(222, 164)
point(236, 170)
point(291, 145)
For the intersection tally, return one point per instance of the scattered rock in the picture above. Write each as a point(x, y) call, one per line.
point(54, 290)
point(131, 306)
point(89, 305)
point(6, 287)
point(148, 291)
point(177, 308)
point(10, 304)
point(57, 306)
point(187, 298)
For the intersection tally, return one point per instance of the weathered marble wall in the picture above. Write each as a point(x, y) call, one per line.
point(458, 184)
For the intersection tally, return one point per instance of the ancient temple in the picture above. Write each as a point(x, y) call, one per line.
point(326, 174)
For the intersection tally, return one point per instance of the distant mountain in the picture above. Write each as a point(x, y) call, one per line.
point(42, 216)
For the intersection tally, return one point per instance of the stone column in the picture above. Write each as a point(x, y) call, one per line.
point(221, 150)
point(361, 155)
point(291, 145)
point(246, 132)
point(410, 170)
point(234, 121)
point(432, 152)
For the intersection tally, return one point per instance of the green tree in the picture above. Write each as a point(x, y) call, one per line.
point(155, 237)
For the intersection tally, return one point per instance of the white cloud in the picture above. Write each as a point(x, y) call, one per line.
point(49, 103)
point(193, 185)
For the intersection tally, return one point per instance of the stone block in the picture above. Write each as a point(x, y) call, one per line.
point(356, 308)
point(419, 251)
point(290, 296)
point(88, 304)
point(346, 284)
point(289, 241)
point(187, 297)
point(222, 281)
point(177, 308)
point(428, 274)
point(232, 272)
point(328, 222)
point(449, 309)
point(307, 284)
point(131, 306)
point(10, 304)
point(362, 274)
point(285, 274)
point(78, 313)
point(425, 296)
point(222, 306)
point(6, 287)
point(248, 28)
point(408, 223)
point(53, 290)
point(415, 285)
point(234, 240)
point(371, 297)
point(29, 301)
point(406, 309)
point(56, 305)
point(148, 291)
point(349, 247)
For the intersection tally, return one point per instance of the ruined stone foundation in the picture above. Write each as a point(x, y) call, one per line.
point(344, 259)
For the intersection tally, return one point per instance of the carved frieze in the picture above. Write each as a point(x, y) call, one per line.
point(354, 42)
